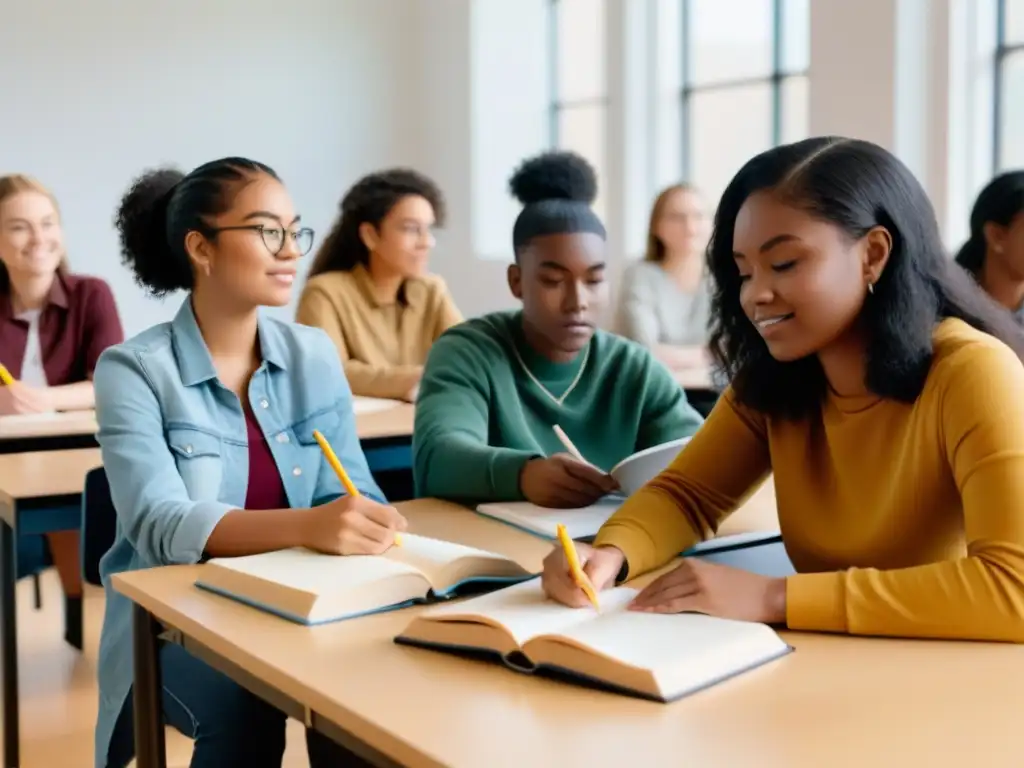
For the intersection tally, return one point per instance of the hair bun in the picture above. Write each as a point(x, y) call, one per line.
point(554, 176)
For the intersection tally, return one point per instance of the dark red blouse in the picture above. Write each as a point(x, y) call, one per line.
point(266, 490)
point(79, 321)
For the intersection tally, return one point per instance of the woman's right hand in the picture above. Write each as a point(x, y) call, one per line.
point(353, 525)
point(20, 398)
point(601, 565)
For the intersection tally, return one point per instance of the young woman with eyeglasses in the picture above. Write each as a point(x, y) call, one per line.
point(369, 288)
point(206, 430)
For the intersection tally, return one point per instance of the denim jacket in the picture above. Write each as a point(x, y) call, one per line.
point(175, 450)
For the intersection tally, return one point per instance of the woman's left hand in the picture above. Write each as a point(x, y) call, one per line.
point(716, 590)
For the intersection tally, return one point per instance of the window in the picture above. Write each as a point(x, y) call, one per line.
point(744, 84)
point(1008, 142)
point(579, 90)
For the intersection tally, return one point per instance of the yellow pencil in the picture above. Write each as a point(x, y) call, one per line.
point(5, 376)
point(581, 578)
point(339, 470)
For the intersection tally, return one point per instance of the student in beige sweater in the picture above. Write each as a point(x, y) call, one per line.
point(368, 287)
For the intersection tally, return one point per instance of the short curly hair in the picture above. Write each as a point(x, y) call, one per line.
point(164, 205)
point(367, 202)
point(556, 189)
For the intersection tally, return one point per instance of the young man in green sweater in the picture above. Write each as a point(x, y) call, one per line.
point(494, 387)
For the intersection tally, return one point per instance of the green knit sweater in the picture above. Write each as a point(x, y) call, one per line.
point(480, 416)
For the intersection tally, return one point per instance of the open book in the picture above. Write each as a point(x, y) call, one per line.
point(661, 657)
point(313, 588)
point(583, 523)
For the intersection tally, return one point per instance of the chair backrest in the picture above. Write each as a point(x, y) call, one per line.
point(99, 524)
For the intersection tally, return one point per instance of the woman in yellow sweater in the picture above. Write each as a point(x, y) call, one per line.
point(368, 287)
point(879, 385)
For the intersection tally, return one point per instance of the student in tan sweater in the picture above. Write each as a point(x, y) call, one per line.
point(879, 385)
point(368, 287)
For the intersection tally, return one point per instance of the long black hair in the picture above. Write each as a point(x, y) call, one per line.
point(368, 201)
point(1000, 202)
point(164, 205)
point(856, 186)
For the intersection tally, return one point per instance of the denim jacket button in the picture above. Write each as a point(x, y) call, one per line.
point(297, 471)
point(283, 437)
point(264, 403)
point(188, 449)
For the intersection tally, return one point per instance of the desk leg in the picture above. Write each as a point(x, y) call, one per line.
point(9, 643)
point(150, 750)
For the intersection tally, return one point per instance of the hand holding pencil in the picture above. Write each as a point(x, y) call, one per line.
point(351, 524)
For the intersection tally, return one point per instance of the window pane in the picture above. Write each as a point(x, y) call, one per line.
point(1014, 21)
point(581, 49)
point(727, 128)
point(728, 40)
point(796, 35)
point(582, 129)
point(795, 100)
point(1011, 124)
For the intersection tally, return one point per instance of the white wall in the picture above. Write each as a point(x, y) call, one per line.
point(318, 89)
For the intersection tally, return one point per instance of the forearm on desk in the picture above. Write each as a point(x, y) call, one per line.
point(394, 382)
point(456, 468)
point(254, 531)
point(79, 396)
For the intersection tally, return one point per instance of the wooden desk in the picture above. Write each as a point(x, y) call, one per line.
point(48, 431)
point(39, 492)
point(836, 701)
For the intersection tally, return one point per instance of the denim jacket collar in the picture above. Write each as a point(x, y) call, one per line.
point(194, 359)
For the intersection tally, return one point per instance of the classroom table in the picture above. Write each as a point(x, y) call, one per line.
point(47, 431)
point(835, 701)
point(39, 492)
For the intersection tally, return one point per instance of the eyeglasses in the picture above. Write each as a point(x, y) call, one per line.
point(276, 237)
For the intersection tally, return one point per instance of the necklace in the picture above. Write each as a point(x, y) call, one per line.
point(545, 390)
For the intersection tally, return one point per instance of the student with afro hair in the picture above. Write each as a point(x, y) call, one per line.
point(495, 386)
point(369, 288)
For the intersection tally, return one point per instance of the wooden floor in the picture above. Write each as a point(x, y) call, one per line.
point(58, 687)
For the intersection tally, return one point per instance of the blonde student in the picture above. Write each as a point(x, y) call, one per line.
point(53, 326)
point(496, 386)
point(882, 388)
point(369, 288)
point(665, 297)
point(207, 434)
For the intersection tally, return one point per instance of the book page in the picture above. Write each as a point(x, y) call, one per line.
point(313, 572)
point(655, 641)
point(362, 404)
point(440, 560)
point(524, 610)
point(582, 522)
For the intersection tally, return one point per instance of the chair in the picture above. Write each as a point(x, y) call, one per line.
point(99, 524)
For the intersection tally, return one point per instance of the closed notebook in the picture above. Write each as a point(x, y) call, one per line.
point(661, 657)
point(312, 588)
point(583, 524)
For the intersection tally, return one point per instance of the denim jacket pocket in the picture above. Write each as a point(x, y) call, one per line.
point(198, 455)
point(325, 420)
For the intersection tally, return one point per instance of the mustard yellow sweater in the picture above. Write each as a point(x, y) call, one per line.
point(900, 519)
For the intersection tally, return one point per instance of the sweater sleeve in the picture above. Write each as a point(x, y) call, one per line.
point(451, 455)
point(315, 309)
point(638, 319)
point(976, 597)
point(666, 413)
point(724, 463)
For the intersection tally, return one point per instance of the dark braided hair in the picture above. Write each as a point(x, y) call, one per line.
point(368, 201)
point(164, 205)
point(856, 186)
point(556, 190)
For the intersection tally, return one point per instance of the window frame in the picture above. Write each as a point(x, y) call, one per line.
point(777, 79)
point(1004, 50)
point(556, 106)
